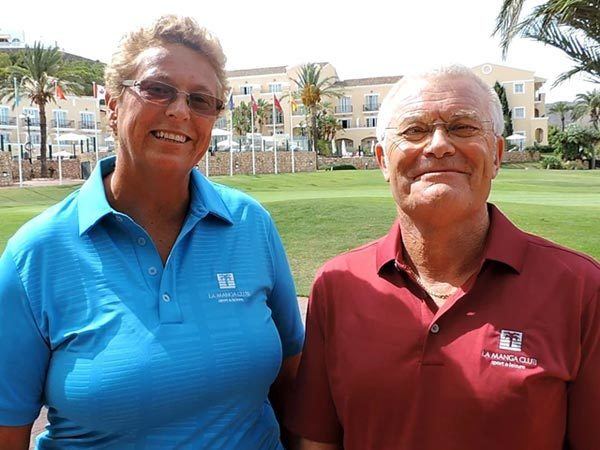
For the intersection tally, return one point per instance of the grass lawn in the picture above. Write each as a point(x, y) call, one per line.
point(322, 214)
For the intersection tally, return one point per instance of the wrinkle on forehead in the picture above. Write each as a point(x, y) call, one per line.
point(427, 116)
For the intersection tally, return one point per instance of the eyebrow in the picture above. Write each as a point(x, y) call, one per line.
point(167, 80)
point(425, 118)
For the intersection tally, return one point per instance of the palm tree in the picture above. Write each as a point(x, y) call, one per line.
point(312, 89)
point(38, 68)
point(572, 26)
point(562, 109)
point(263, 110)
point(241, 120)
point(588, 104)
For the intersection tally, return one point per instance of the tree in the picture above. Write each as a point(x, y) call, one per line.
point(241, 120)
point(263, 110)
point(312, 89)
point(38, 68)
point(572, 26)
point(562, 109)
point(588, 104)
point(82, 75)
point(506, 112)
point(576, 142)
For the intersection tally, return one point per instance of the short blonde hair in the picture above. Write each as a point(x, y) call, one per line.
point(169, 29)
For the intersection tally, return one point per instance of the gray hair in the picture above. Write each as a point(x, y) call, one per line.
point(389, 104)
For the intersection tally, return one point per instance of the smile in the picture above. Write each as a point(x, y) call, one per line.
point(439, 172)
point(167, 136)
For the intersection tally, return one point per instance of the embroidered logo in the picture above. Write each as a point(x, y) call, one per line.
point(510, 340)
point(226, 280)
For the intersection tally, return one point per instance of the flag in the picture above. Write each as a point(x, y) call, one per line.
point(59, 92)
point(293, 104)
point(253, 103)
point(277, 104)
point(230, 103)
point(17, 95)
point(98, 91)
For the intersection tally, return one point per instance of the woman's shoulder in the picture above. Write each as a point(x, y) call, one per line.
point(238, 202)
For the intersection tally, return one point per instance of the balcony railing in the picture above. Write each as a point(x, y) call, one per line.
point(33, 122)
point(539, 97)
point(62, 123)
point(9, 121)
point(371, 107)
point(345, 109)
point(87, 125)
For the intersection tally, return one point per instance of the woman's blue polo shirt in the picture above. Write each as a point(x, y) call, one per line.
point(130, 354)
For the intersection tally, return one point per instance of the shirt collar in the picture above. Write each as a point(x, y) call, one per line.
point(93, 205)
point(505, 243)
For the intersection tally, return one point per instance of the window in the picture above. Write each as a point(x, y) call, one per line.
point(221, 122)
point(60, 118)
point(36, 138)
point(34, 114)
point(519, 88)
point(246, 90)
point(87, 121)
point(371, 122)
point(278, 117)
point(275, 87)
point(372, 102)
point(519, 112)
point(5, 137)
point(4, 115)
point(345, 105)
point(346, 123)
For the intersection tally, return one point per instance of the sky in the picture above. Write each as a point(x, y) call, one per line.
point(359, 38)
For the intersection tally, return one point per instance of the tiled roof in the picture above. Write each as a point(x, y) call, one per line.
point(254, 72)
point(368, 81)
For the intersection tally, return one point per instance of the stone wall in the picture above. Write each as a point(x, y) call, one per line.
point(71, 168)
point(6, 178)
point(219, 163)
point(360, 162)
point(519, 157)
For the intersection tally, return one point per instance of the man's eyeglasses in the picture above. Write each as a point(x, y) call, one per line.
point(459, 129)
point(164, 94)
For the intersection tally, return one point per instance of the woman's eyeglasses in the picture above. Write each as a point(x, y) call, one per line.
point(164, 94)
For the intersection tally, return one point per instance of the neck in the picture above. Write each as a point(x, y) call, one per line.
point(447, 252)
point(148, 196)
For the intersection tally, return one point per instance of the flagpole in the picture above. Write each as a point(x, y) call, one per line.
point(252, 133)
point(274, 142)
point(292, 130)
point(231, 142)
point(97, 144)
point(18, 136)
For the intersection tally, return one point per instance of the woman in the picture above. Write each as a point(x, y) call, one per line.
point(151, 309)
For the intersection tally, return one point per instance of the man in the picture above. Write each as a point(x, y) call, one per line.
point(456, 331)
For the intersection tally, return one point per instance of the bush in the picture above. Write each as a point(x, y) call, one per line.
point(343, 167)
point(540, 148)
point(552, 162)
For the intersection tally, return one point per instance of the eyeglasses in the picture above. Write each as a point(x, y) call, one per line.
point(459, 130)
point(164, 94)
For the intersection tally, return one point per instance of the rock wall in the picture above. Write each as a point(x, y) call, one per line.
point(219, 162)
point(6, 170)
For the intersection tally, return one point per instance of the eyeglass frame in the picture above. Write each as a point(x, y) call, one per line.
point(433, 125)
point(134, 84)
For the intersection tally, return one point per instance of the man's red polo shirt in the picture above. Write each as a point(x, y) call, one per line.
point(512, 363)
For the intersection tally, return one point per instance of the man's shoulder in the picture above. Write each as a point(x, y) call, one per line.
point(361, 258)
point(556, 256)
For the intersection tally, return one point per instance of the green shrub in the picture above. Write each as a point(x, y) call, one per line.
point(343, 167)
point(552, 162)
point(540, 148)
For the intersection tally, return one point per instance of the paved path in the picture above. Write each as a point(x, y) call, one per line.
point(41, 421)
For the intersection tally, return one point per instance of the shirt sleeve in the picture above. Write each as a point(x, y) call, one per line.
point(312, 412)
point(283, 301)
point(24, 353)
point(583, 432)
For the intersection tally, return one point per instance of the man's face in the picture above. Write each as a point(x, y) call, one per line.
point(442, 172)
point(166, 136)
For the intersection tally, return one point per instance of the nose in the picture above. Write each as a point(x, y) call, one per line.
point(178, 108)
point(439, 144)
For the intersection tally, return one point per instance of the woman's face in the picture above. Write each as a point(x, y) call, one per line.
point(168, 136)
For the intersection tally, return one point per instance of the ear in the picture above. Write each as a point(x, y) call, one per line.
point(382, 161)
point(112, 111)
point(498, 152)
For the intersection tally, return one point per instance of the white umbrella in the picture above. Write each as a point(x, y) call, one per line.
point(109, 139)
point(219, 132)
point(225, 144)
point(515, 137)
point(62, 154)
point(73, 137)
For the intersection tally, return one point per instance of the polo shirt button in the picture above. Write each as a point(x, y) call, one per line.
point(152, 270)
point(141, 241)
point(435, 328)
point(166, 297)
point(118, 218)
